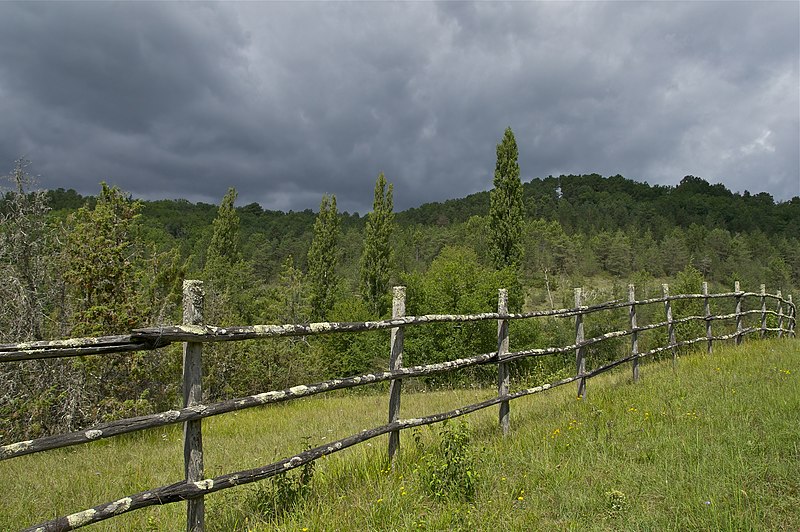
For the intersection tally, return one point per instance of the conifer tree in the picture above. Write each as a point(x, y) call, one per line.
point(376, 259)
point(223, 251)
point(505, 209)
point(323, 258)
point(100, 259)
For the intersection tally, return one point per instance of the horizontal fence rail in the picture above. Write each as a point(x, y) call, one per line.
point(193, 334)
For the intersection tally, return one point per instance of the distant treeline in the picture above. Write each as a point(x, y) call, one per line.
point(607, 225)
point(73, 265)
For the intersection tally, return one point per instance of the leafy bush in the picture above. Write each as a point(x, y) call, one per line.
point(449, 465)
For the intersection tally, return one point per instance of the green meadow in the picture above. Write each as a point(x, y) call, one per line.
point(712, 446)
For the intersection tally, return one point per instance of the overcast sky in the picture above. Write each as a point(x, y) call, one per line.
point(288, 101)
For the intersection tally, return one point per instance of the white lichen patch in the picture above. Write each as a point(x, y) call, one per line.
point(81, 518)
point(335, 447)
point(299, 390)
point(120, 506)
point(206, 484)
point(14, 448)
point(192, 329)
point(320, 327)
point(171, 415)
point(293, 462)
point(93, 434)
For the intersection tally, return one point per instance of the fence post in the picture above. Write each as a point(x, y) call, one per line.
point(780, 313)
point(580, 351)
point(193, 296)
point(395, 363)
point(707, 311)
point(670, 325)
point(738, 291)
point(792, 316)
point(763, 311)
point(502, 367)
point(634, 333)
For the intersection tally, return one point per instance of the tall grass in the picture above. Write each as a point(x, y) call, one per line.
point(714, 446)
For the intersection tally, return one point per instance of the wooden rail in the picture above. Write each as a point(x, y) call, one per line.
point(193, 333)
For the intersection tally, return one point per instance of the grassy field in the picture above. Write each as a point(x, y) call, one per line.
point(715, 446)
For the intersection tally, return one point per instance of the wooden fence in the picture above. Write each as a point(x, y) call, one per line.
point(193, 333)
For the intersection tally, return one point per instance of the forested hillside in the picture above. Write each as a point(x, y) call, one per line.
point(576, 225)
point(73, 266)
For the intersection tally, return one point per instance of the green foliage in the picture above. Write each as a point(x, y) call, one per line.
point(376, 259)
point(290, 294)
point(505, 209)
point(353, 354)
point(449, 469)
point(99, 264)
point(223, 249)
point(688, 281)
point(323, 259)
point(280, 494)
point(456, 283)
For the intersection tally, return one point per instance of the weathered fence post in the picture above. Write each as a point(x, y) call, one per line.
point(503, 378)
point(193, 296)
point(792, 317)
point(580, 351)
point(763, 311)
point(634, 333)
point(670, 325)
point(738, 296)
point(707, 311)
point(395, 363)
point(780, 313)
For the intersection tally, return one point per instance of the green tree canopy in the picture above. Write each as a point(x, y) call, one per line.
point(323, 258)
point(99, 268)
point(223, 250)
point(505, 206)
point(376, 259)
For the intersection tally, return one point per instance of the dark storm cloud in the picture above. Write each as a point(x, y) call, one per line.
point(288, 101)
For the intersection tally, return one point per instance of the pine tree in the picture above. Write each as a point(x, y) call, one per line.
point(505, 209)
point(323, 258)
point(100, 258)
point(223, 251)
point(376, 259)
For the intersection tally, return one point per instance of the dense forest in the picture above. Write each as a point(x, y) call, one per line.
point(73, 265)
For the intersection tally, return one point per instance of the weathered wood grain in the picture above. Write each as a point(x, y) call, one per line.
point(707, 311)
point(503, 373)
point(580, 351)
point(670, 324)
point(193, 296)
point(395, 363)
point(763, 311)
point(634, 332)
point(738, 299)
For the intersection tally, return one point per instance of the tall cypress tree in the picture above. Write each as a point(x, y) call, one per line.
point(505, 209)
point(322, 259)
point(223, 250)
point(376, 259)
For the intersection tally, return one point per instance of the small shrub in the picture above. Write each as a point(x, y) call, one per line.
point(449, 465)
point(281, 493)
